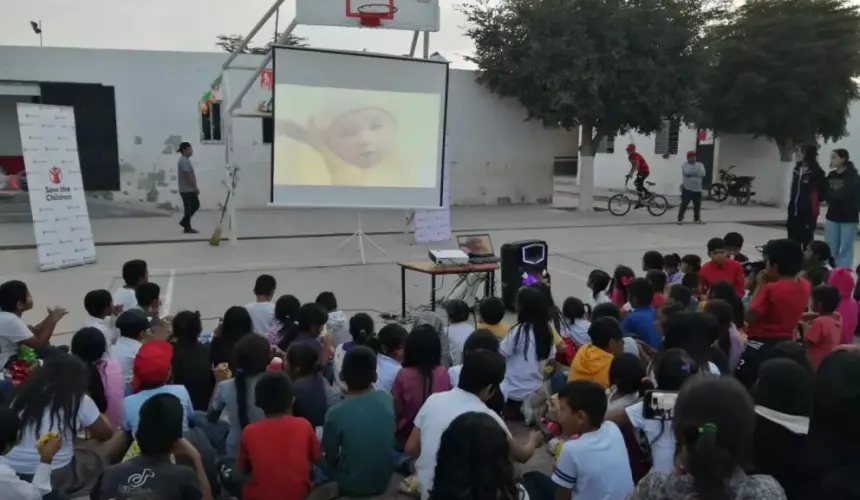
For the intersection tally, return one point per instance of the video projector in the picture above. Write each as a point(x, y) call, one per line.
point(449, 257)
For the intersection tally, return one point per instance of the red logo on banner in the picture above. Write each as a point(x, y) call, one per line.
point(56, 175)
point(267, 80)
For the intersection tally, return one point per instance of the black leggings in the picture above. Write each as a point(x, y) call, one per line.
point(639, 182)
point(801, 229)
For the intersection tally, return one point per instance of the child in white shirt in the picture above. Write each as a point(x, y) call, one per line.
point(577, 315)
point(595, 465)
point(598, 283)
point(337, 324)
point(262, 310)
point(459, 329)
point(12, 486)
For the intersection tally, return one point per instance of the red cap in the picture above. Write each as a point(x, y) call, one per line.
point(631, 147)
point(152, 364)
point(691, 153)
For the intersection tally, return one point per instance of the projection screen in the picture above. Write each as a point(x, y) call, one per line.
point(357, 130)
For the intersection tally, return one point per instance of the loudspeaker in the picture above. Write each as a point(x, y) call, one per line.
point(522, 260)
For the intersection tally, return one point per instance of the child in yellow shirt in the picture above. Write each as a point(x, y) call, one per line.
point(492, 312)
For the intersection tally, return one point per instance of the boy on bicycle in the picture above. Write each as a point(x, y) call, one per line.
point(640, 166)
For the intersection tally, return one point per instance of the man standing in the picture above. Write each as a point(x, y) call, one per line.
point(187, 187)
point(691, 188)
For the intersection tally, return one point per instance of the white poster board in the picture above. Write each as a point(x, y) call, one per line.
point(431, 226)
point(61, 222)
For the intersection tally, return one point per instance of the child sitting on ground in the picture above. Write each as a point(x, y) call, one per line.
point(848, 308)
point(671, 266)
point(825, 330)
point(694, 284)
point(622, 276)
point(683, 296)
point(691, 264)
point(308, 384)
point(576, 313)
point(734, 245)
point(639, 322)
point(657, 278)
point(652, 260)
point(459, 329)
point(593, 360)
point(391, 339)
point(336, 320)
point(262, 310)
point(358, 437)
point(362, 330)
point(598, 282)
point(721, 268)
point(279, 451)
point(40, 484)
point(492, 312)
point(595, 465)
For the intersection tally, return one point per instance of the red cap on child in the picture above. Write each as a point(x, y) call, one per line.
point(152, 364)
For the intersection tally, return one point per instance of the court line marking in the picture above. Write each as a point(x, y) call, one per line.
point(168, 293)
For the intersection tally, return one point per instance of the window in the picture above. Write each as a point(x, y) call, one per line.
point(666, 140)
point(268, 130)
point(210, 123)
point(606, 145)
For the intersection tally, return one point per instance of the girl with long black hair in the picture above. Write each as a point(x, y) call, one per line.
point(474, 463)
point(105, 382)
point(251, 357)
point(286, 315)
point(54, 399)
point(421, 375)
point(807, 184)
point(191, 359)
point(235, 324)
point(527, 348)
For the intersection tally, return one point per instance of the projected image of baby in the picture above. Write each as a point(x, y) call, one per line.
point(349, 144)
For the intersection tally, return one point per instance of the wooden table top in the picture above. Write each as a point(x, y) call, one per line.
point(430, 267)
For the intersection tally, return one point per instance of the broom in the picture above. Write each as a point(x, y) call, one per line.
point(215, 239)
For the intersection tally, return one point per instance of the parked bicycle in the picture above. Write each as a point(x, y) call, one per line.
point(730, 185)
point(621, 203)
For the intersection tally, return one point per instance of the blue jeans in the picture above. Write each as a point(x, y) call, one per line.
point(840, 238)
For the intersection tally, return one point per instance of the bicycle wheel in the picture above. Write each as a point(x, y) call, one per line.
point(718, 192)
point(619, 205)
point(744, 194)
point(658, 205)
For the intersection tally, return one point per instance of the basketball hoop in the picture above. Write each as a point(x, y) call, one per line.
point(371, 15)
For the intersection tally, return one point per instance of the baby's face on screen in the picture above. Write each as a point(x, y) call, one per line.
point(362, 137)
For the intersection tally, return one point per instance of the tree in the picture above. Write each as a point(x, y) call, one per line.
point(607, 66)
point(229, 43)
point(784, 70)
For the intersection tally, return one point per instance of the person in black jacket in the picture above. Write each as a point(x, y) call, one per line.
point(806, 188)
point(842, 192)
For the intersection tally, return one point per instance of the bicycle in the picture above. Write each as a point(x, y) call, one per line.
point(621, 203)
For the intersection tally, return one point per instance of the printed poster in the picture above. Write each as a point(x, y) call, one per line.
point(431, 226)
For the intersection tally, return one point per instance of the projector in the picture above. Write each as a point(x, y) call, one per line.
point(449, 257)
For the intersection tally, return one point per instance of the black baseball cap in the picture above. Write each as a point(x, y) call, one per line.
point(183, 146)
point(134, 321)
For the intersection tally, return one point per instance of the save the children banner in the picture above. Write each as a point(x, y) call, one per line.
point(61, 222)
point(431, 226)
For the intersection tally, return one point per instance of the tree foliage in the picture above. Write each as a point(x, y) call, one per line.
point(229, 43)
point(785, 70)
point(606, 65)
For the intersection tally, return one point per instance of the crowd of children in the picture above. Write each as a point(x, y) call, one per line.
point(725, 379)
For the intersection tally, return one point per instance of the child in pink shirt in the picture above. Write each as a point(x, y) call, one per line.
point(844, 282)
point(825, 331)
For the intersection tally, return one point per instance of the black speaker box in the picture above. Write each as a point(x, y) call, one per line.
point(518, 258)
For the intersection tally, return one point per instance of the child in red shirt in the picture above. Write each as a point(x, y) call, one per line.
point(825, 331)
point(278, 452)
point(721, 268)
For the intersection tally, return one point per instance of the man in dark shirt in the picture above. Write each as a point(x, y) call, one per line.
point(159, 434)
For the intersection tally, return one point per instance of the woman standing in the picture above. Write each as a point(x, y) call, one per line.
point(842, 192)
point(807, 182)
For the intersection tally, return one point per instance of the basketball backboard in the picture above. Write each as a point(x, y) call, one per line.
point(408, 15)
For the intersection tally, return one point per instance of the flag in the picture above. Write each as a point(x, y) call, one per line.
point(36, 28)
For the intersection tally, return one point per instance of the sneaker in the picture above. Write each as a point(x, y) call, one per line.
point(700, 221)
point(190, 230)
point(680, 223)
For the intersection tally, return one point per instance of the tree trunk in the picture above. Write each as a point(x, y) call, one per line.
point(586, 168)
point(784, 172)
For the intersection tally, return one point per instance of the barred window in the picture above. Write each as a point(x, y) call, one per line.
point(606, 145)
point(666, 140)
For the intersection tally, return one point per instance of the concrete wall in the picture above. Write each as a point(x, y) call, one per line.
point(610, 168)
point(10, 139)
point(498, 157)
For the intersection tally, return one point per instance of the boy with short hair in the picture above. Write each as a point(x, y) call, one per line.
point(100, 309)
point(639, 322)
point(262, 310)
point(652, 260)
point(148, 297)
point(358, 436)
point(15, 300)
point(492, 312)
point(657, 278)
point(721, 268)
point(594, 466)
point(734, 245)
point(134, 274)
point(592, 361)
point(277, 452)
point(159, 434)
point(134, 328)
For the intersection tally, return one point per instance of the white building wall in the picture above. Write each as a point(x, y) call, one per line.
point(498, 158)
point(610, 168)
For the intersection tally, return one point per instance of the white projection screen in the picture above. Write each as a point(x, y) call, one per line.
point(357, 130)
